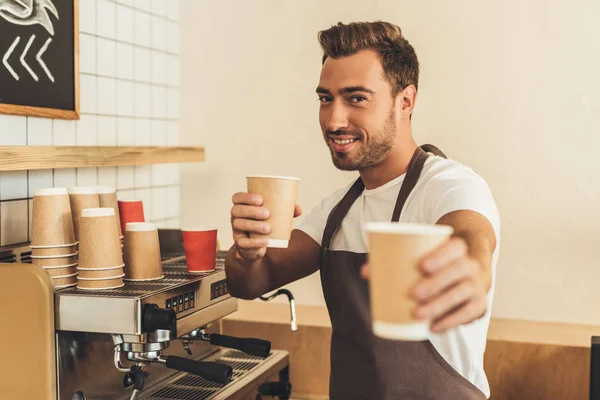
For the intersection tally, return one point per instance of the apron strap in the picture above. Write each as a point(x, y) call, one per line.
point(337, 215)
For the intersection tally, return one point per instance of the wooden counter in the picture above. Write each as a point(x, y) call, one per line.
point(524, 359)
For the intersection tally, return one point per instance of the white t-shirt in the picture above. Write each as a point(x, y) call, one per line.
point(444, 186)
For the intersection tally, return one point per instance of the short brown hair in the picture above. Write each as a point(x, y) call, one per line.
point(398, 57)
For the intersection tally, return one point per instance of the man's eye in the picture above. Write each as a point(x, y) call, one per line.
point(358, 99)
point(325, 99)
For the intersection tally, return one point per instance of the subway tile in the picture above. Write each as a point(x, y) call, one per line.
point(173, 202)
point(172, 70)
point(142, 97)
point(124, 24)
point(172, 10)
point(159, 102)
point(65, 178)
point(107, 54)
point(172, 172)
point(107, 89)
point(107, 176)
point(172, 37)
point(173, 223)
point(125, 58)
point(126, 177)
point(87, 16)
point(144, 5)
point(87, 130)
point(159, 207)
point(172, 103)
point(126, 2)
point(39, 131)
point(13, 222)
point(159, 174)
point(39, 179)
point(106, 19)
point(172, 133)
point(13, 185)
point(141, 26)
point(13, 130)
point(142, 132)
point(124, 98)
point(158, 68)
point(88, 93)
point(125, 132)
point(87, 54)
point(107, 131)
point(87, 176)
point(158, 133)
point(158, 7)
point(142, 65)
point(142, 176)
point(158, 33)
point(63, 132)
point(126, 195)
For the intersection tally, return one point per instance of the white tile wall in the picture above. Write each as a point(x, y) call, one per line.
point(129, 91)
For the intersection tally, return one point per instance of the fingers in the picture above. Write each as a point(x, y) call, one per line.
point(297, 211)
point(468, 312)
point(450, 251)
point(364, 271)
point(434, 284)
point(251, 199)
point(250, 226)
point(447, 301)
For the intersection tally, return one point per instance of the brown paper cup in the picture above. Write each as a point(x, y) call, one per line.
point(108, 198)
point(54, 251)
point(81, 198)
point(61, 270)
point(100, 284)
point(395, 251)
point(61, 282)
point(100, 272)
point(54, 262)
point(99, 247)
point(279, 196)
point(142, 252)
point(52, 224)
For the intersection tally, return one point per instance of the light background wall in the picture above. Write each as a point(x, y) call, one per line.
point(509, 88)
point(129, 77)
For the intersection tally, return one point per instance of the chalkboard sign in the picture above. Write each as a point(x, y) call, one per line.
point(39, 73)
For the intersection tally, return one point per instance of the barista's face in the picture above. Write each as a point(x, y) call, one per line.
point(357, 114)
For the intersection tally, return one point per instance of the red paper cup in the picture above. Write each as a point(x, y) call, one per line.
point(200, 245)
point(131, 211)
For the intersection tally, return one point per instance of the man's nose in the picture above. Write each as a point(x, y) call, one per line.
point(337, 118)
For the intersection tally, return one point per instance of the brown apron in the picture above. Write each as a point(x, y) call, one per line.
point(364, 366)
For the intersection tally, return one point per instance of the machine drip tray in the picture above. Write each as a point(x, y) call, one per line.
point(248, 373)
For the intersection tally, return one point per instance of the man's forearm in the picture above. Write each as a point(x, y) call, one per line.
point(246, 280)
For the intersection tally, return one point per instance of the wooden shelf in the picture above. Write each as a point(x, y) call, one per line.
point(19, 158)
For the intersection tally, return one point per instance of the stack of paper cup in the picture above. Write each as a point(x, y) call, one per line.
point(130, 211)
point(142, 252)
point(82, 197)
point(108, 198)
point(100, 256)
point(53, 245)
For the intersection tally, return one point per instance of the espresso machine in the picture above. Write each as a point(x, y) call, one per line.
point(150, 340)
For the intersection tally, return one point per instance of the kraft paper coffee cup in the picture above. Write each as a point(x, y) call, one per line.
point(101, 284)
point(61, 270)
point(82, 197)
point(52, 223)
point(99, 247)
point(64, 281)
point(107, 197)
point(395, 252)
point(54, 250)
point(131, 210)
point(279, 197)
point(142, 252)
point(103, 273)
point(200, 246)
point(55, 261)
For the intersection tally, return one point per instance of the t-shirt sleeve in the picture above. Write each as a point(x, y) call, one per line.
point(462, 189)
point(314, 222)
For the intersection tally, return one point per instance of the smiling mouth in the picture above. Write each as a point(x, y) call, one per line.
point(343, 141)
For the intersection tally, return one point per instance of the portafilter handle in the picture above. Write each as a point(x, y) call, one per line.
point(212, 371)
point(252, 346)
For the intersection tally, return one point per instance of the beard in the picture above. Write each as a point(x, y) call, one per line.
point(368, 155)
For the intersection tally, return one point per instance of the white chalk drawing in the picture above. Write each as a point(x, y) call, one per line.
point(28, 12)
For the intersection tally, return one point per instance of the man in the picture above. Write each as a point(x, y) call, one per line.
point(367, 90)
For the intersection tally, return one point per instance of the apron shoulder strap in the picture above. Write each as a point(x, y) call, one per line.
point(339, 212)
